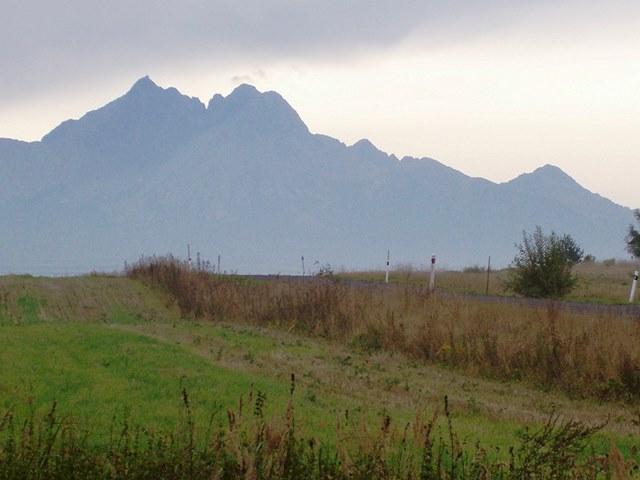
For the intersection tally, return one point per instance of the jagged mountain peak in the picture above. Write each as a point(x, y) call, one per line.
point(364, 145)
point(551, 172)
point(242, 94)
point(368, 152)
point(145, 101)
point(245, 89)
point(552, 183)
point(146, 92)
point(265, 111)
point(144, 84)
point(549, 176)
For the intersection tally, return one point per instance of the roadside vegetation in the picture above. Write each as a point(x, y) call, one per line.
point(546, 347)
point(607, 281)
point(543, 266)
point(247, 444)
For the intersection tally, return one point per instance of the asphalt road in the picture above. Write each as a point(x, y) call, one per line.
point(620, 310)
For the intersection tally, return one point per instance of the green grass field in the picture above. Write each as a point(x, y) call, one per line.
point(108, 348)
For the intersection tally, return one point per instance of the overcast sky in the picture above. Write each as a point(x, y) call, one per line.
point(493, 88)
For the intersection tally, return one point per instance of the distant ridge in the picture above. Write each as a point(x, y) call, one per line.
point(244, 178)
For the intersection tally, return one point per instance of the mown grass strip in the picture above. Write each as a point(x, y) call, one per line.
point(95, 371)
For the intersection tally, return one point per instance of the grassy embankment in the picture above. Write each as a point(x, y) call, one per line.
point(101, 345)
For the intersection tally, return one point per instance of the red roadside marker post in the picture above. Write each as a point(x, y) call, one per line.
point(432, 280)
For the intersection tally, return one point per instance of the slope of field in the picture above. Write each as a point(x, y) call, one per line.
point(109, 347)
point(91, 298)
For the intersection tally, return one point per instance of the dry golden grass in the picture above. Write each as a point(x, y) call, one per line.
point(605, 281)
point(94, 298)
point(544, 345)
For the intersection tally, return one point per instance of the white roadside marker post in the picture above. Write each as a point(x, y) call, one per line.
point(432, 280)
point(633, 286)
point(386, 278)
point(302, 256)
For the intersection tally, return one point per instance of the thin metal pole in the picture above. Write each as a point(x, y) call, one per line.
point(486, 292)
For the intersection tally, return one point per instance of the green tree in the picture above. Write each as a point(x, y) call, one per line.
point(572, 250)
point(633, 237)
point(542, 268)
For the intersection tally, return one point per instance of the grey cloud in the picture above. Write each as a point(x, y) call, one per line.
point(242, 79)
point(45, 43)
point(44, 36)
point(81, 27)
point(249, 78)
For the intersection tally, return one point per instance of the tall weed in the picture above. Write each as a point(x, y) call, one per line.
point(246, 444)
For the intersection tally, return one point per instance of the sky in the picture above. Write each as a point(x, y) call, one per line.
point(493, 88)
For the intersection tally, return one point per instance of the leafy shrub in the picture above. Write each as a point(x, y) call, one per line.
point(542, 267)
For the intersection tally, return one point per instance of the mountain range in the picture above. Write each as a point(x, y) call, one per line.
point(155, 171)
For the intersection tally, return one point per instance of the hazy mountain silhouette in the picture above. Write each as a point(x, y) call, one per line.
point(154, 170)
